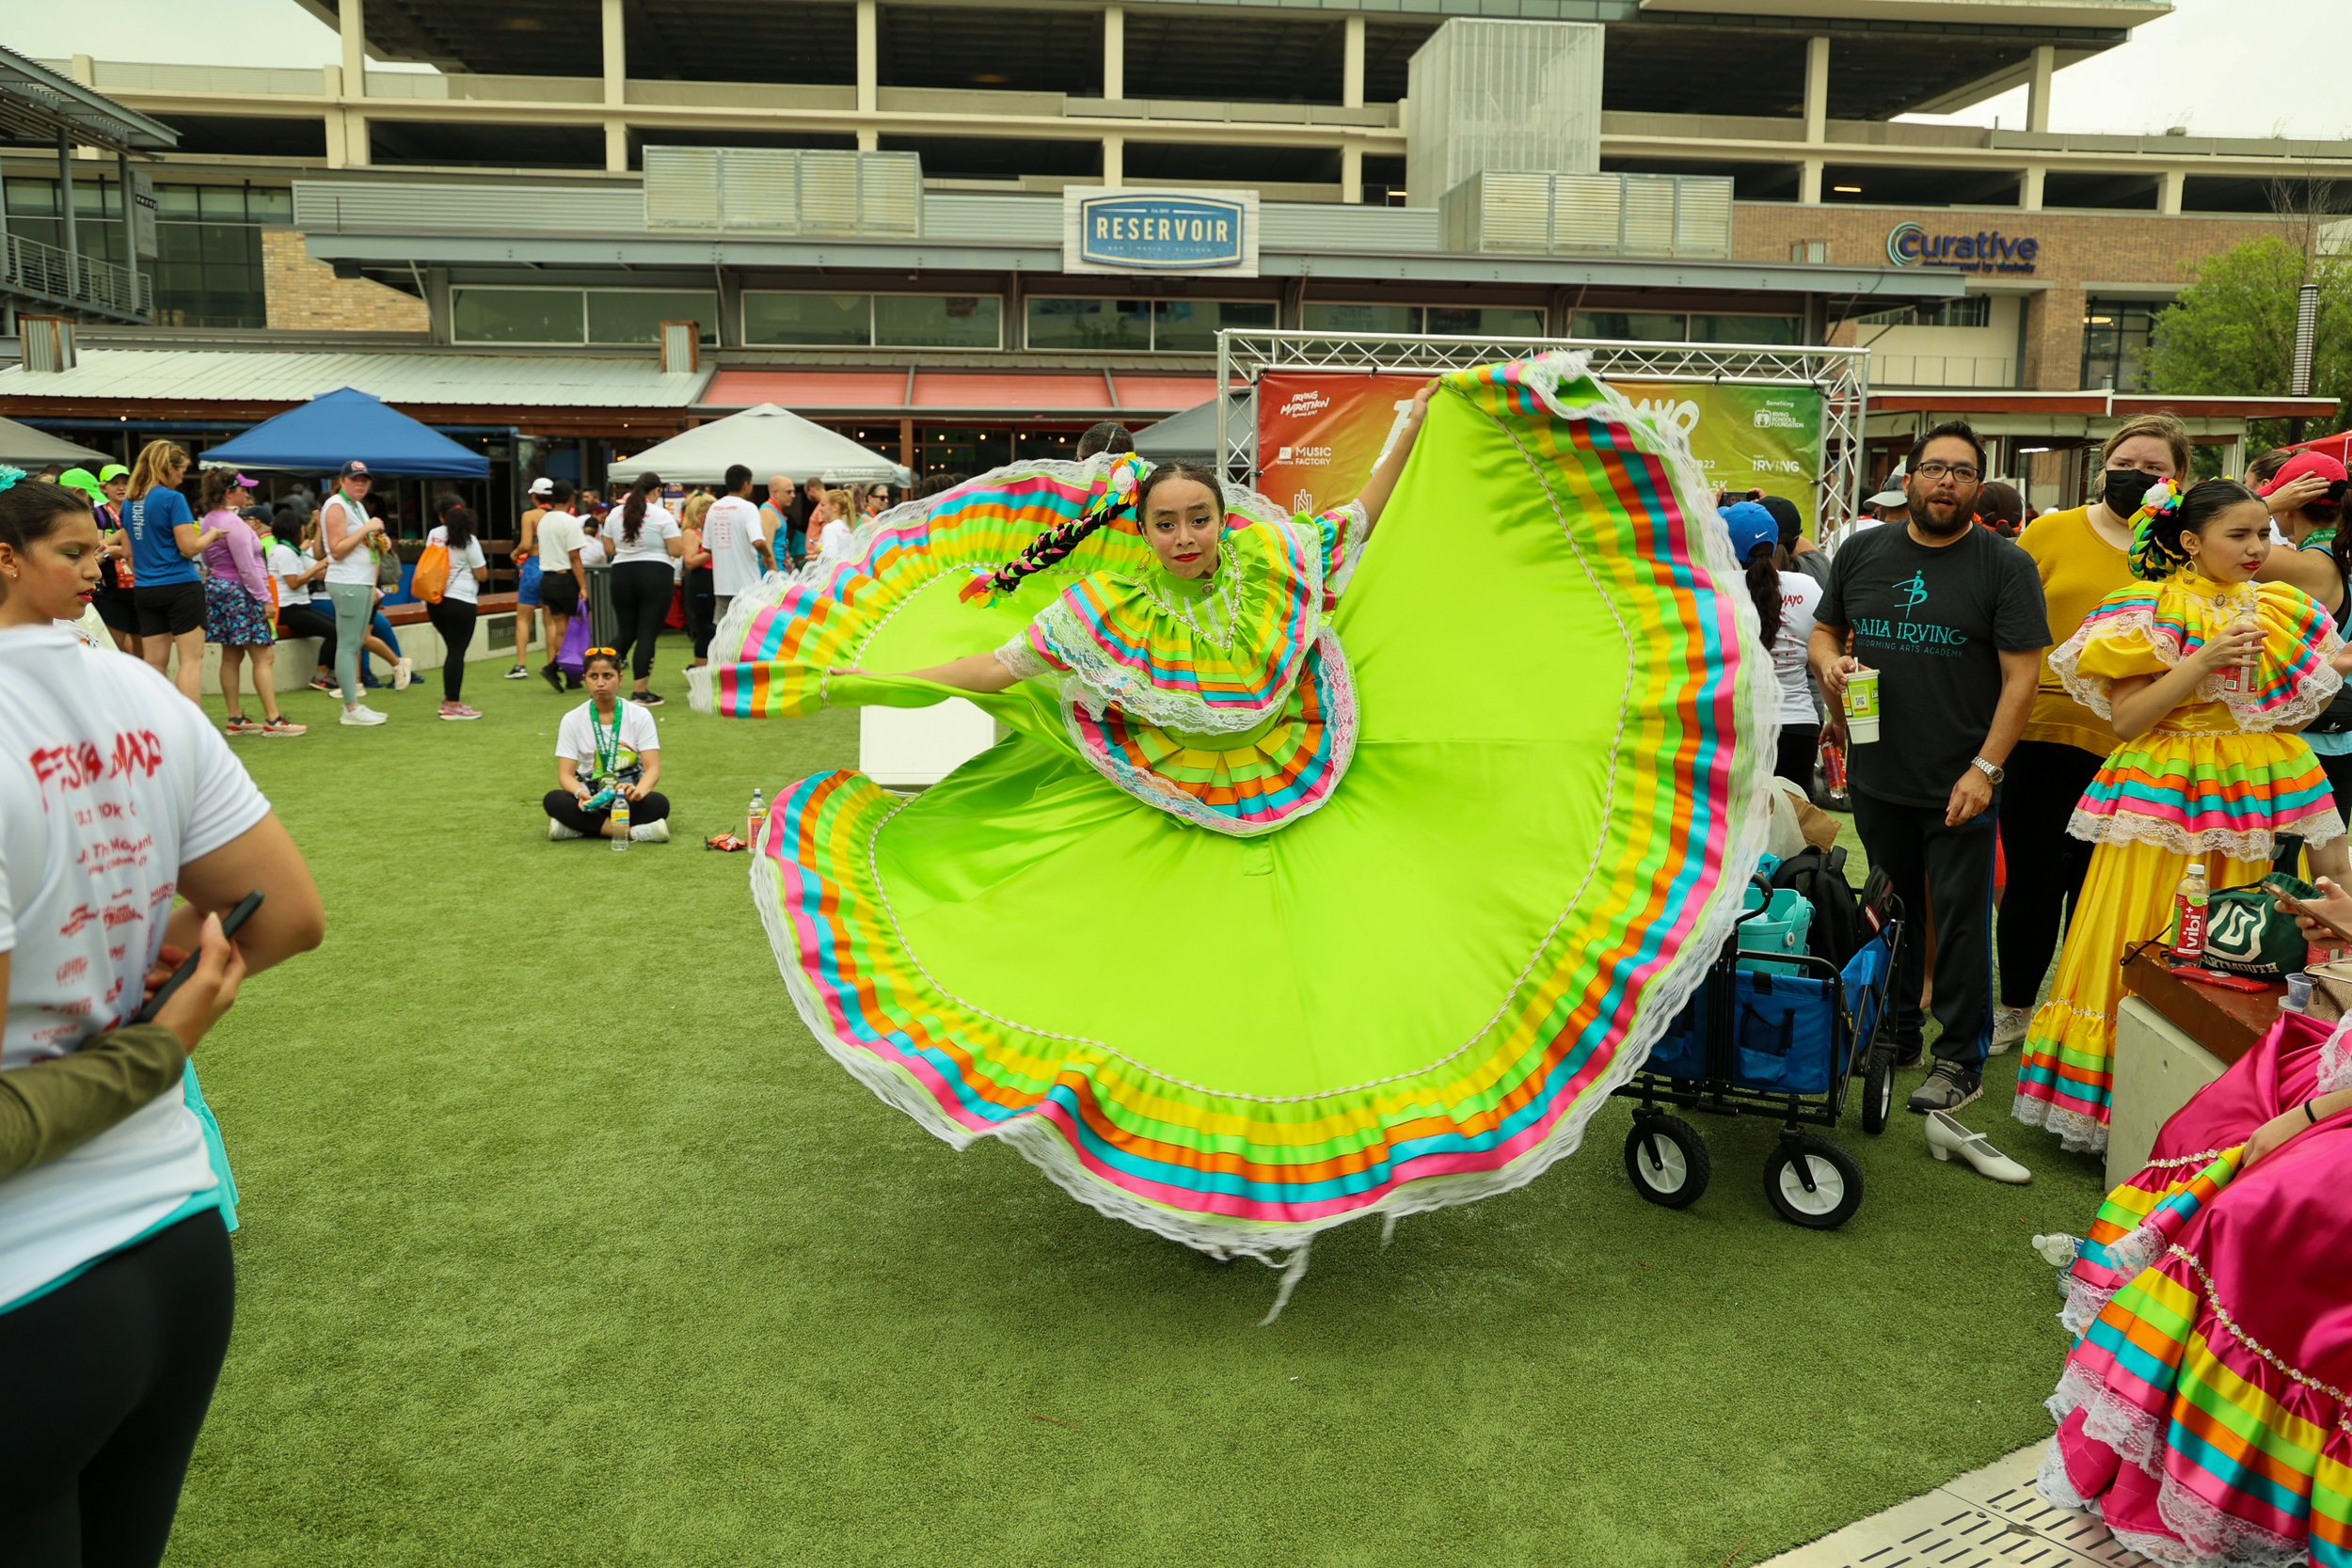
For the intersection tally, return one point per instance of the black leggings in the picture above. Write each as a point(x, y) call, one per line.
point(702, 611)
point(454, 619)
point(640, 602)
point(108, 1379)
point(565, 807)
point(2044, 864)
point(1800, 748)
point(304, 620)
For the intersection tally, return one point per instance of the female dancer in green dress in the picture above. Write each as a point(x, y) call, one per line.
point(1458, 823)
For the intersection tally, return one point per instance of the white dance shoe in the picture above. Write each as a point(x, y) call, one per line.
point(1947, 1138)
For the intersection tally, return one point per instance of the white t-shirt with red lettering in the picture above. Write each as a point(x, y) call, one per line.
point(110, 781)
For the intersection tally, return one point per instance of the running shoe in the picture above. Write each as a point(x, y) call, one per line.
point(557, 831)
point(241, 724)
point(403, 673)
point(459, 710)
point(320, 682)
point(283, 725)
point(647, 699)
point(362, 716)
point(1947, 1088)
point(651, 832)
point(554, 676)
point(519, 673)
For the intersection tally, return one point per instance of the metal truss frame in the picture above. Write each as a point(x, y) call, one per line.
point(1842, 375)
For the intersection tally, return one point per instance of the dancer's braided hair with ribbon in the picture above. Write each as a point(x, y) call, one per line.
point(1126, 483)
point(2166, 514)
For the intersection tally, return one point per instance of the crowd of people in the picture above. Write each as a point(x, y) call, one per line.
point(2095, 698)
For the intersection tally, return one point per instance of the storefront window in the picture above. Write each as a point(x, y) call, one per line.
point(1747, 329)
point(1635, 326)
point(1321, 317)
point(809, 321)
point(1091, 326)
point(939, 321)
point(519, 316)
point(635, 315)
point(1486, 321)
point(2115, 342)
point(207, 267)
point(1191, 326)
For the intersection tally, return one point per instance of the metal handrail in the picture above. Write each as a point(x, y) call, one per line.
point(67, 277)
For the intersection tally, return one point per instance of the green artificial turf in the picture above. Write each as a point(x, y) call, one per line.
point(563, 1244)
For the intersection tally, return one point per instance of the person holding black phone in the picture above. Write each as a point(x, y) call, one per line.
point(116, 1288)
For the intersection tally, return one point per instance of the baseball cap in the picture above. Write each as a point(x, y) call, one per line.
point(1893, 495)
point(1785, 512)
point(82, 479)
point(2296, 467)
point(542, 487)
point(111, 472)
point(354, 469)
point(1751, 526)
point(245, 482)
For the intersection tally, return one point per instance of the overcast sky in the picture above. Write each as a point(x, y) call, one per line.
point(2223, 68)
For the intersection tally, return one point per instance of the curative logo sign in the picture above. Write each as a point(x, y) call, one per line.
point(1164, 231)
point(1909, 244)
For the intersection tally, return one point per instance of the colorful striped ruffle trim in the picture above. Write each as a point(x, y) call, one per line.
point(2294, 680)
point(2065, 1080)
point(2250, 1459)
point(1239, 787)
point(2193, 793)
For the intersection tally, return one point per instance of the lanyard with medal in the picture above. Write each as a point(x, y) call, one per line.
point(607, 745)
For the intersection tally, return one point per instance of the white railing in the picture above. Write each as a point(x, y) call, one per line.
point(1589, 214)
point(63, 277)
point(1941, 370)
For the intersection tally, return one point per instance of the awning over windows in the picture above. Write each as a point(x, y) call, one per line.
point(982, 395)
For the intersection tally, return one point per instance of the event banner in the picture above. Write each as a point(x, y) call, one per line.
point(1319, 434)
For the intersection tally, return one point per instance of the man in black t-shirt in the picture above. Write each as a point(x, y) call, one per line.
point(1951, 617)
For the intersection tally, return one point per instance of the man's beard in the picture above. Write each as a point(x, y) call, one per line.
point(1923, 515)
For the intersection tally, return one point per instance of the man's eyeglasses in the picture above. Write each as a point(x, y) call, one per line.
point(1934, 468)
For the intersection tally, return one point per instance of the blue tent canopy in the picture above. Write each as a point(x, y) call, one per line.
point(335, 427)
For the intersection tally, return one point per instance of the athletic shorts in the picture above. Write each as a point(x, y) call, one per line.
point(116, 609)
point(526, 590)
point(169, 609)
point(560, 594)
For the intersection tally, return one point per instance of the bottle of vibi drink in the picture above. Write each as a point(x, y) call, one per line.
point(620, 818)
point(756, 819)
point(2188, 914)
point(2237, 680)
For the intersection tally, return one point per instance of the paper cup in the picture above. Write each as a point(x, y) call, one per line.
point(1862, 706)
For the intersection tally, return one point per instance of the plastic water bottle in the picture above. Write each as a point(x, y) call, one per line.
point(620, 820)
point(2188, 914)
point(756, 819)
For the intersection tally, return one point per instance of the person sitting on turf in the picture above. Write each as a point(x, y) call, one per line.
point(607, 746)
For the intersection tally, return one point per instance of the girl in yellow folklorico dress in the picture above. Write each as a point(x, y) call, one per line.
point(2210, 768)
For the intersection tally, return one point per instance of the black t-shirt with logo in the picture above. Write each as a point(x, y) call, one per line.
point(1933, 622)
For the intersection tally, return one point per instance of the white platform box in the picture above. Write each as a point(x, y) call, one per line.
point(920, 746)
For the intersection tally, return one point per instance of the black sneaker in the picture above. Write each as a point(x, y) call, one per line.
point(554, 676)
point(1948, 1087)
point(647, 699)
point(1908, 1056)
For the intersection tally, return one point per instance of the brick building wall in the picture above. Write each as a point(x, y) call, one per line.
point(2078, 248)
point(304, 295)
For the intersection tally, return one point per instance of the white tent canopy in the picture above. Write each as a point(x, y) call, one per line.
point(767, 441)
point(23, 446)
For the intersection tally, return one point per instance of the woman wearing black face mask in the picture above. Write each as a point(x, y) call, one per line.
point(2083, 555)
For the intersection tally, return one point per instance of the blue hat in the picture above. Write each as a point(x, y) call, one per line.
point(1751, 526)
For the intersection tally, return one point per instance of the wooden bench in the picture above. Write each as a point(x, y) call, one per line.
point(414, 614)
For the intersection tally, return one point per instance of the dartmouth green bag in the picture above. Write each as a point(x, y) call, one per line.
point(2247, 933)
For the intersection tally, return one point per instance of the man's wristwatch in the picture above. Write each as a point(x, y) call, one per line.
point(1992, 770)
